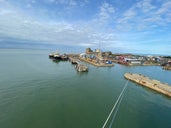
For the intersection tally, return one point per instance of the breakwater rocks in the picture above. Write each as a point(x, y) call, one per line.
point(150, 83)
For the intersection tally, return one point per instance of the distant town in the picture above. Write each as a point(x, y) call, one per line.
point(98, 58)
point(107, 59)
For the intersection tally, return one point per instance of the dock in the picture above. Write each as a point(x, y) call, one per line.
point(166, 67)
point(155, 85)
point(95, 63)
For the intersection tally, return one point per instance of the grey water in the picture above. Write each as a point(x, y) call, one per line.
point(36, 92)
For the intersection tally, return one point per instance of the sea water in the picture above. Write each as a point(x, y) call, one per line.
point(36, 92)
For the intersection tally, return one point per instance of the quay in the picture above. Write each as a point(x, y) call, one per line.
point(166, 67)
point(95, 63)
point(150, 83)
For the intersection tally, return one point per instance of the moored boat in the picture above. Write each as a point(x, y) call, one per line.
point(57, 57)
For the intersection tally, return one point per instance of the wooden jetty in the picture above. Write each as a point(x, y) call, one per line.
point(150, 83)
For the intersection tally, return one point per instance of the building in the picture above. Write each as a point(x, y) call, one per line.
point(88, 50)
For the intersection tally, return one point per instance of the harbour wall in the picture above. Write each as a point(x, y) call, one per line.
point(150, 83)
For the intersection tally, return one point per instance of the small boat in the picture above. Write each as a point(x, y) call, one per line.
point(51, 55)
point(57, 56)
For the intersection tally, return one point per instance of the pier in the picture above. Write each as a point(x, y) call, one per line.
point(155, 85)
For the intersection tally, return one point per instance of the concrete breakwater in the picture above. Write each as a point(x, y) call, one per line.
point(150, 83)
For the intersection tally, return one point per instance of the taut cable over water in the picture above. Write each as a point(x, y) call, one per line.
point(115, 113)
point(115, 105)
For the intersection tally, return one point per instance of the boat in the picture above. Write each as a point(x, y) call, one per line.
point(57, 56)
point(51, 55)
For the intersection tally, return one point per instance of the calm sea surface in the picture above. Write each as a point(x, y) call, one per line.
point(36, 92)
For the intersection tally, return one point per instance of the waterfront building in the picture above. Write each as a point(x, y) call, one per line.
point(88, 50)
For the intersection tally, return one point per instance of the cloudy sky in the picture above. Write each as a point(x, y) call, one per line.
point(132, 26)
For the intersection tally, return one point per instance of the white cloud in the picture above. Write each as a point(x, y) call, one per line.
point(65, 2)
point(106, 27)
point(106, 10)
point(33, 1)
point(145, 15)
point(69, 2)
point(128, 15)
point(165, 8)
point(153, 19)
point(17, 26)
point(147, 6)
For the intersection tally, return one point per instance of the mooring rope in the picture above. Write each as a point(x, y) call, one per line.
point(117, 108)
point(120, 96)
